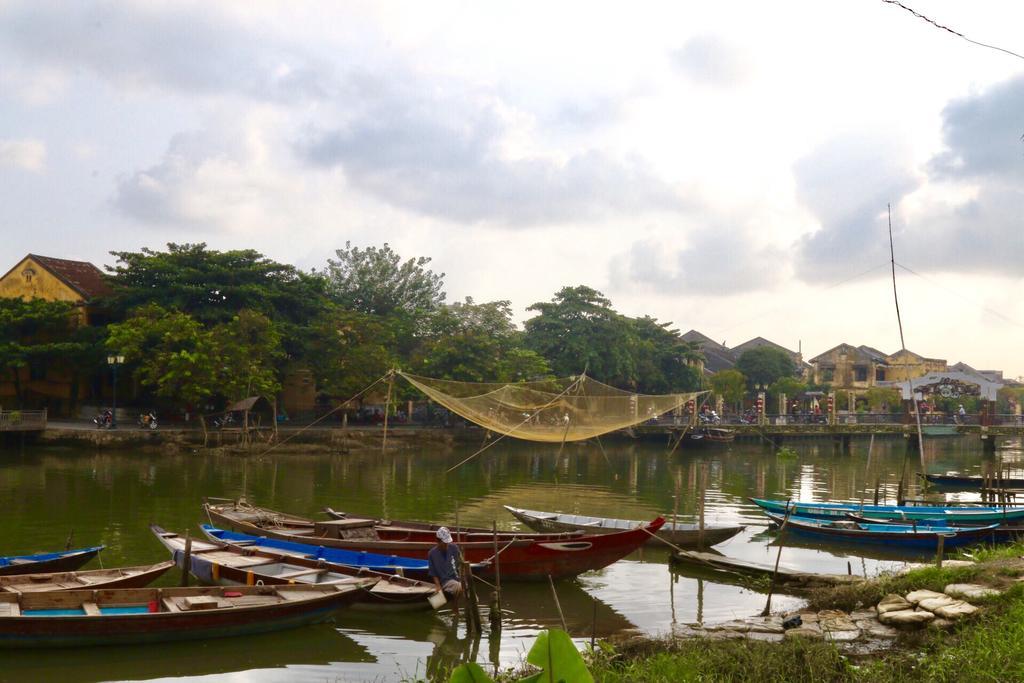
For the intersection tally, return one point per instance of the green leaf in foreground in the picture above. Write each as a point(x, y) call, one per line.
point(555, 653)
point(471, 672)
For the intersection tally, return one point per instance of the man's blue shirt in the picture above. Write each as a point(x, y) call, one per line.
point(443, 564)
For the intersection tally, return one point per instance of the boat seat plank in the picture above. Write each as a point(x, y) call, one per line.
point(170, 605)
point(300, 595)
point(255, 600)
point(301, 572)
point(10, 609)
point(90, 609)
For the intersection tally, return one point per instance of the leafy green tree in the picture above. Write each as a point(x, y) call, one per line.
point(249, 349)
point(170, 352)
point(790, 386)
point(731, 385)
point(473, 342)
point(765, 365)
point(347, 350)
point(38, 332)
point(376, 281)
point(213, 286)
point(880, 397)
point(663, 360)
point(578, 329)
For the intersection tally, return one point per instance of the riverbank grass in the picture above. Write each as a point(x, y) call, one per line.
point(988, 647)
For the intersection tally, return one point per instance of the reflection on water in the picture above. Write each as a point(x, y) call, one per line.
point(110, 498)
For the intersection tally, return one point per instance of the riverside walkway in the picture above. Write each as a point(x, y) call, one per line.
point(777, 429)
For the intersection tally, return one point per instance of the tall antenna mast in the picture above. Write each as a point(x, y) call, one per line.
point(892, 261)
point(903, 345)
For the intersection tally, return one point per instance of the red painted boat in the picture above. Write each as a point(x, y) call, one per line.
point(124, 616)
point(566, 559)
point(362, 534)
point(521, 556)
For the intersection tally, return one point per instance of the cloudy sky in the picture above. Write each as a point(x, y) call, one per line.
point(724, 165)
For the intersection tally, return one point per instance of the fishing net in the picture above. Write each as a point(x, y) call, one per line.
point(568, 409)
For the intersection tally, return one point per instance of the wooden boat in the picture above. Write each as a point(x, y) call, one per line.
point(228, 565)
point(405, 530)
point(521, 560)
point(384, 564)
point(973, 482)
point(709, 435)
point(63, 561)
point(787, 577)
point(125, 577)
point(123, 616)
point(356, 533)
point(679, 535)
point(903, 535)
point(951, 514)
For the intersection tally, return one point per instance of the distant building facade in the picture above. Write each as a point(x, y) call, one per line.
point(56, 386)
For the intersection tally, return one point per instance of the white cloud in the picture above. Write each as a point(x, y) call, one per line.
point(712, 60)
point(29, 155)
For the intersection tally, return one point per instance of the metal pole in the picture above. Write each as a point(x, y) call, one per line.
point(113, 417)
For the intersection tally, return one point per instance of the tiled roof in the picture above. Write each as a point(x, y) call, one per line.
point(81, 276)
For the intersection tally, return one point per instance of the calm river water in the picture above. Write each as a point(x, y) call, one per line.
point(110, 498)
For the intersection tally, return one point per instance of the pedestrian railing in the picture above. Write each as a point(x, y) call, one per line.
point(22, 420)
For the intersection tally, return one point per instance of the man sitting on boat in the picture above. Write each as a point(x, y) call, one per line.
point(443, 566)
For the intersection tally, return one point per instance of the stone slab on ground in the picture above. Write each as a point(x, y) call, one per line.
point(970, 591)
point(805, 631)
point(906, 617)
point(915, 597)
point(869, 613)
point(875, 629)
point(957, 610)
point(893, 603)
point(932, 604)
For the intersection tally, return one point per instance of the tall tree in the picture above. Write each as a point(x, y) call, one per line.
point(171, 352)
point(578, 329)
point(765, 365)
point(347, 350)
point(375, 280)
point(213, 286)
point(478, 343)
point(663, 359)
point(249, 346)
point(731, 385)
point(187, 363)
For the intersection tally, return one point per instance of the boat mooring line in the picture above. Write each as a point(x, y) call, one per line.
point(328, 414)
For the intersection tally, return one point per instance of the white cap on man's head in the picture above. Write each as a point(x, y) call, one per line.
point(444, 535)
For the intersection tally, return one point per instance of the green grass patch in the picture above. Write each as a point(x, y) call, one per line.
point(742, 661)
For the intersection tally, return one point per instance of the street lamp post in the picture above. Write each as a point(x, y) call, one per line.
point(113, 362)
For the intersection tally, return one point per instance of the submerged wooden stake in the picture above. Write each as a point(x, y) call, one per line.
point(939, 554)
point(496, 600)
point(778, 556)
point(554, 594)
point(186, 563)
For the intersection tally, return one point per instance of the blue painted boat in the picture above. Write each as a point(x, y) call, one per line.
point(64, 561)
point(903, 535)
point(388, 564)
point(976, 515)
